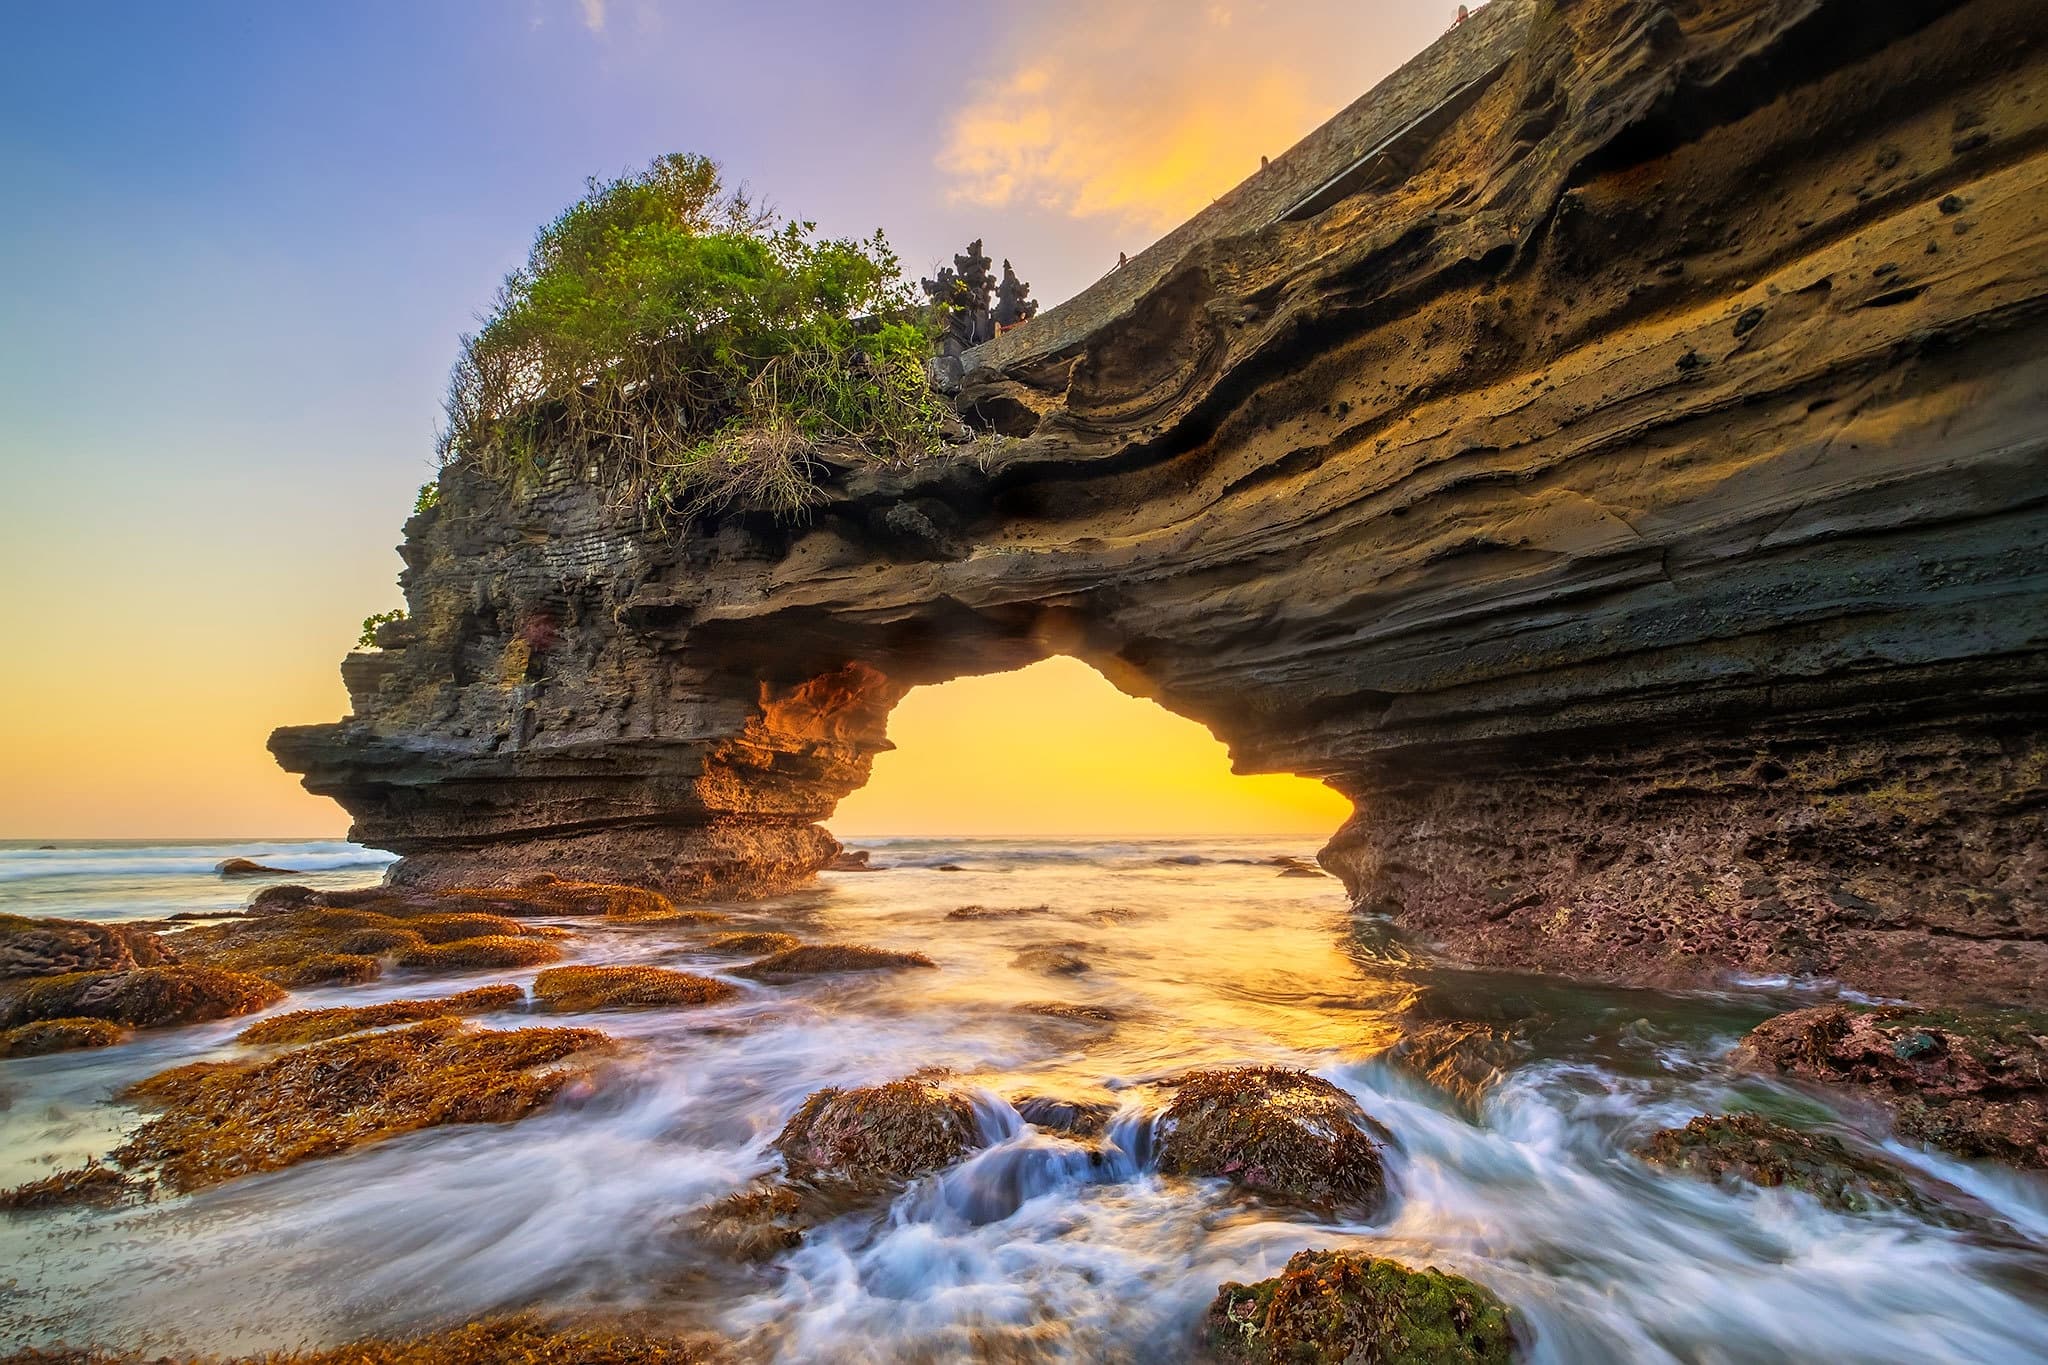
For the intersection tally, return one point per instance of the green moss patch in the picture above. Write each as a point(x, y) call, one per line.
point(1344, 1308)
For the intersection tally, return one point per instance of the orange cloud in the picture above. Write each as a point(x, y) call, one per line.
point(1148, 113)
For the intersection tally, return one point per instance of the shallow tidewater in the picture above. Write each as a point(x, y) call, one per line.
point(1036, 1248)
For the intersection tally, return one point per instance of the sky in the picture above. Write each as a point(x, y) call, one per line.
point(238, 243)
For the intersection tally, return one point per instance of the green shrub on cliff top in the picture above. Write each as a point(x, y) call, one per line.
point(693, 351)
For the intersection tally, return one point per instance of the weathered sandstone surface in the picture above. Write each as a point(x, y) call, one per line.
point(1631, 497)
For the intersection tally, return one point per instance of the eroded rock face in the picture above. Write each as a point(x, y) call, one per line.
point(1634, 501)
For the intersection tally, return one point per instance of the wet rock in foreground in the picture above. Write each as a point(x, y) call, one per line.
point(1345, 1308)
point(219, 1120)
point(1276, 1132)
point(574, 990)
point(146, 997)
point(1973, 1084)
point(1748, 1147)
point(878, 1135)
point(823, 959)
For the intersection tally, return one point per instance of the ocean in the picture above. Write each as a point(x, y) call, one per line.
point(1512, 1104)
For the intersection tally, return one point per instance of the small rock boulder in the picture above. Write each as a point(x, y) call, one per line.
point(1074, 1118)
point(1342, 1306)
point(248, 867)
point(1971, 1083)
point(823, 959)
point(59, 1035)
point(850, 860)
point(1051, 959)
point(55, 947)
point(1748, 1147)
point(878, 1135)
point(752, 944)
point(576, 990)
point(1276, 1132)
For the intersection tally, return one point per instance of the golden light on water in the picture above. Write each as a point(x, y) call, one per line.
point(1054, 749)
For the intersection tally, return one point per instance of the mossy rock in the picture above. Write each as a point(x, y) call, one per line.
point(1973, 1083)
point(1751, 1148)
point(824, 959)
point(575, 990)
point(451, 927)
point(491, 952)
point(878, 1135)
point(317, 1026)
point(751, 944)
point(147, 997)
point(756, 1224)
point(1346, 1308)
point(324, 969)
point(220, 1120)
point(1276, 1132)
point(46, 1036)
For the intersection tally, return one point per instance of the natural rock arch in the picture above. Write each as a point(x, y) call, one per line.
point(1637, 513)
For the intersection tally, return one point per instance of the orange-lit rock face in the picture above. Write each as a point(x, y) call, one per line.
point(1633, 503)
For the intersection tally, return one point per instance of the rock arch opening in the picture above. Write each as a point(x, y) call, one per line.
point(1055, 750)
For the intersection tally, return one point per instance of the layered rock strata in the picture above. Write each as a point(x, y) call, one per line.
point(1636, 509)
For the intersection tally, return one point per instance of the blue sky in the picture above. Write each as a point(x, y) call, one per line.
point(239, 242)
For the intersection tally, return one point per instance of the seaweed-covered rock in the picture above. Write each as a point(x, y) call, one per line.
point(59, 947)
point(992, 912)
point(248, 867)
point(147, 997)
point(1345, 1308)
point(879, 1134)
point(219, 1120)
point(542, 896)
point(1762, 1152)
point(1051, 959)
point(313, 942)
point(1974, 1084)
point(1276, 1132)
point(59, 1035)
point(756, 1224)
point(753, 943)
point(573, 990)
point(823, 959)
point(91, 1184)
point(317, 1026)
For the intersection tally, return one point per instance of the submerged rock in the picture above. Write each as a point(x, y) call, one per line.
point(878, 1134)
point(59, 1035)
point(317, 1026)
point(756, 1224)
point(220, 1120)
point(147, 997)
point(91, 1184)
point(1462, 1058)
point(1276, 1132)
point(983, 912)
point(1060, 1009)
point(1748, 1147)
point(821, 959)
point(751, 943)
point(574, 990)
point(57, 947)
point(1346, 1308)
point(1051, 959)
point(1973, 1084)
point(1075, 1118)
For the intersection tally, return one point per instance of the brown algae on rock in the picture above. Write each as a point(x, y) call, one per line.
point(1276, 1132)
point(823, 959)
point(219, 1120)
point(91, 1184)
point(878, 1135)
point(1346, 1308)
point(574, 990)
point(753, 943)
point(317, 1026)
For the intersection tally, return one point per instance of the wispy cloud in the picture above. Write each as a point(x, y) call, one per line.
point(1147, 113)
point(593, 15)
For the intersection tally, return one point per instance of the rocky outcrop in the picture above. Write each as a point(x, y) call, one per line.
point(1628, 490)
